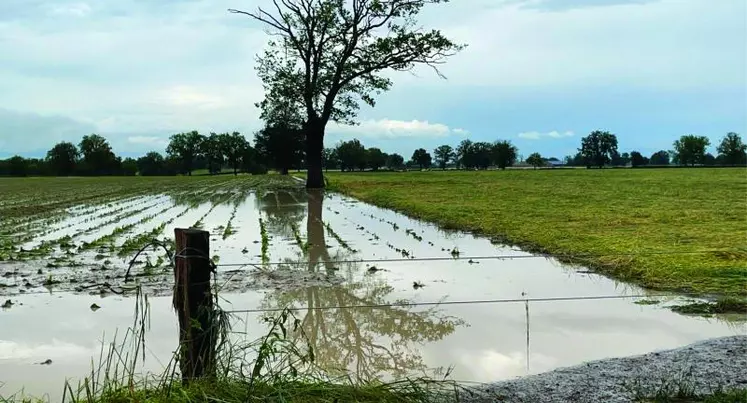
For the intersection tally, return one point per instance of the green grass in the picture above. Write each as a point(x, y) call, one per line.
point(642, 226)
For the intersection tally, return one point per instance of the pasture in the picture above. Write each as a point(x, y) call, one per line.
point(665, 229)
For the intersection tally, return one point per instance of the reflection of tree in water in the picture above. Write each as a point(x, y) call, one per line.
point(369, 342)
point(282, 208)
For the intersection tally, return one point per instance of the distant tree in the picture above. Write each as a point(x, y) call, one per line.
point(395, 161)
point(731, 150)
point(18, 166)
point(637, 160)
point(129, 167)
point(330, 159)
point(422, 158)
point(280, 146)
point(598, 148)
point(444, 154)
point(575, 160)
point(464, 155)
point(660, 157)
point(151, 164)
point(709, 159)
point(211, 150)
point(62, 159)
point(185, 147)
point(504, 154)
point(352, 154)
point(535, 160)
point(479, 155)
point(232, 147)
point(98, 157)
point(375, 158)
point(251, 162)
point(691, 149)
point(620, 160)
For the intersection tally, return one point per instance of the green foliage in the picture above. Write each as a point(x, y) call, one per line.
point(98, 157)
point(233, 146)
point(731, 150)
point(63, 159)
point(330, 54)
point(535, 160)
point(637, 160)
point(652, 235)
point(352, 155)
point(444, 155)
point(280, 146)
point(211, 149)
point(375, 158)
point(598, 148)
point(503, 154)
point(395, 161)
point(659, 158)
point(421, 158)
point(151, 164)
point(185, 147)
point(691, 149)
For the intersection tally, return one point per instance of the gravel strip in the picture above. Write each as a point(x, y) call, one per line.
point(702, 367)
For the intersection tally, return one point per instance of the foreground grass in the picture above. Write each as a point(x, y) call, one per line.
point(642, 226)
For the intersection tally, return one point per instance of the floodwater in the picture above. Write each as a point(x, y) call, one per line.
point(359, 255)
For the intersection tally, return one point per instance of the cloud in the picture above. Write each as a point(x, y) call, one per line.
point(387, 128)
point(71, 10)
point(553, 134)
point(22, 132)
point(147, 140)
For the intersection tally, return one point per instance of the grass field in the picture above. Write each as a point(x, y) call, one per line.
point(649, 226)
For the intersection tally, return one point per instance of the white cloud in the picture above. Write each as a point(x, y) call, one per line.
point(184, 95)
point(553, 134)
point(71, 10)
point(662, 44)
point(147, 140)
point(387, 128)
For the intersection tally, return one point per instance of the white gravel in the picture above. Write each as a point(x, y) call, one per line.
point(702, 367)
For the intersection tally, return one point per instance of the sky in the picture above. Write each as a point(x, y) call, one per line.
point(540, 73)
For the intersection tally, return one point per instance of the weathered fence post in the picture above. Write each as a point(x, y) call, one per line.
point(193, 303)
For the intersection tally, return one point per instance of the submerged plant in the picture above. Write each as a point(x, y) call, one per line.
point(265, 241)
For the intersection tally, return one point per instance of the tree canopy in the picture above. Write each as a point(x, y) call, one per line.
point(185, 147)
point(327, 55)
point(535, 160)
point(598, 148)
point(421, 158)
point(444, 155)
point(63, 158)
point(691, 149)
point(732, 150)
point(503, 154)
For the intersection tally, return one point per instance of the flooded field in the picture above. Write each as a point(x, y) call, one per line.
point(354, 273)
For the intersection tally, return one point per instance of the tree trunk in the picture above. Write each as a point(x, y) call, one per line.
point(284, 171)
point(314, 148)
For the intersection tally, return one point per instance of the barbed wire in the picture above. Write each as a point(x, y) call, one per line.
point(463, 302)
point(486, 257)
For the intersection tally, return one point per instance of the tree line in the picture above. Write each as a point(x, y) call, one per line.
point(185, 153)
point(281, 147)
point(598, 149)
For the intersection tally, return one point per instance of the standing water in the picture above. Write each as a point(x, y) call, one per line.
point(356, 275)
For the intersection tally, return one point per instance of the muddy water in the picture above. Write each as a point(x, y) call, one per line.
point(482, 342)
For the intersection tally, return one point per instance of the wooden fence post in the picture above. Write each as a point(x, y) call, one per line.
point(193, 303)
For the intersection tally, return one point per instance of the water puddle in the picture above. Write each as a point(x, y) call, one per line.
point(355, 275)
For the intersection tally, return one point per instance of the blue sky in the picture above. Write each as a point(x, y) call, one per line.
point(541, 73)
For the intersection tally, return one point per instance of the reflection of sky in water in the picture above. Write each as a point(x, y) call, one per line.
point(483, 342)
